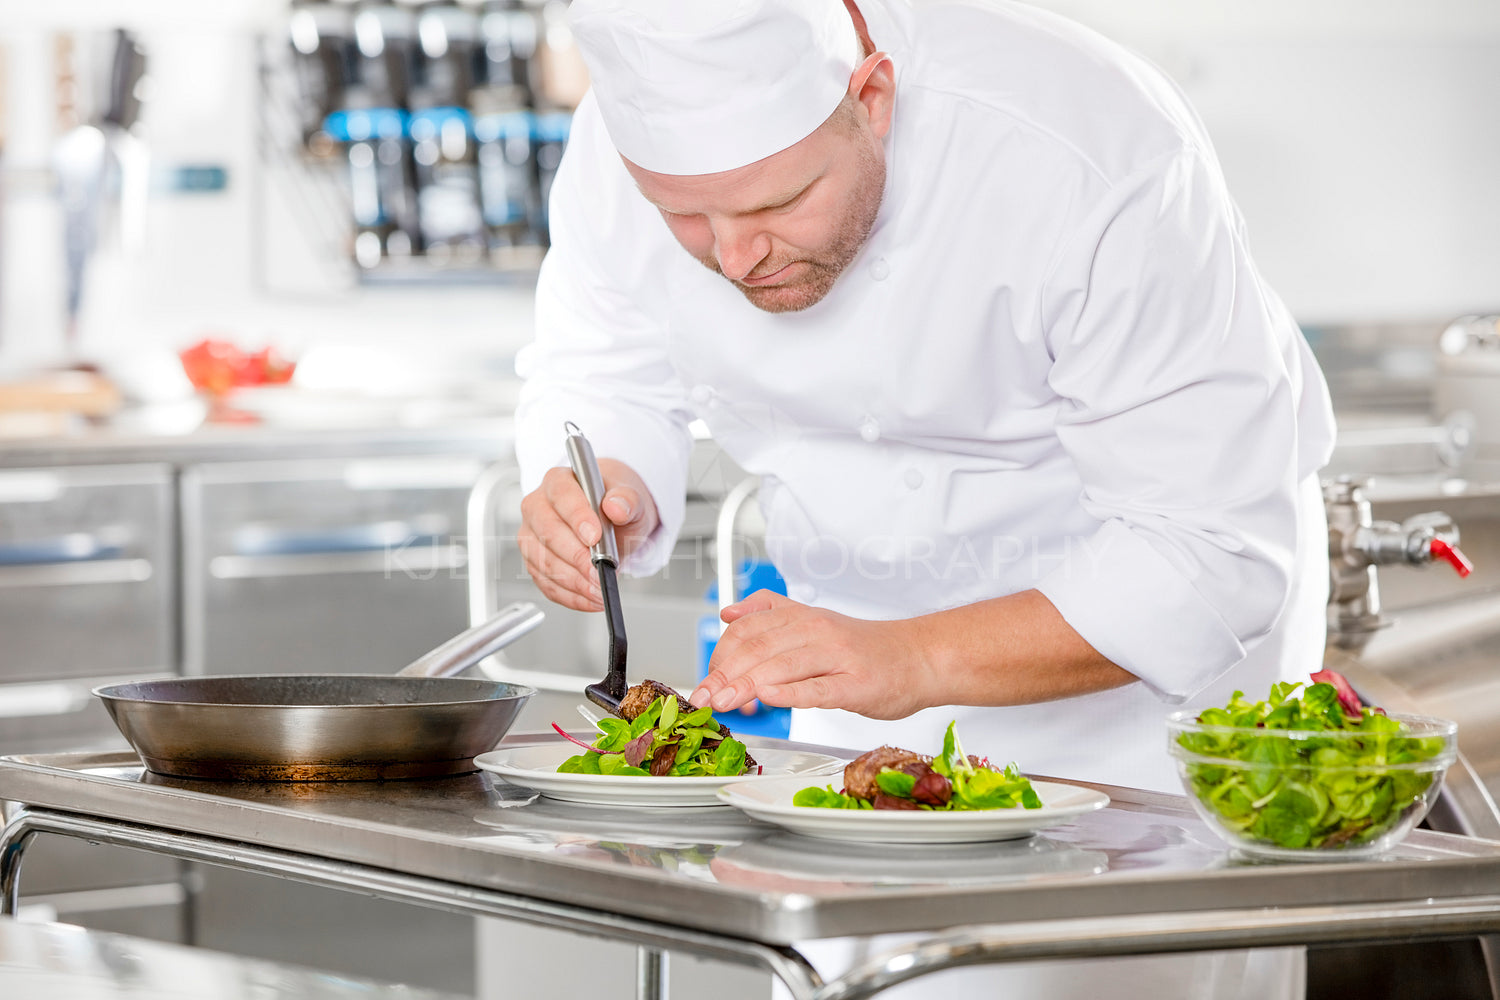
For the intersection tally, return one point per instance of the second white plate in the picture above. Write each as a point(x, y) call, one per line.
point(535, 766)
point(771, 800)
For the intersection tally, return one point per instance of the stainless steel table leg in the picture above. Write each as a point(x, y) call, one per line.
point(650, 974)
point(191, 881)
point(801, 979)
point(14, 840)
point(1489, 945)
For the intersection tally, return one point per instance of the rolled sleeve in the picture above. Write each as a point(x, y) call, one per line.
point(1139, 611)
point(1180, 415)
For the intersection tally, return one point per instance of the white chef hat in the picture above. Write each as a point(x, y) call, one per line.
point(700, 86)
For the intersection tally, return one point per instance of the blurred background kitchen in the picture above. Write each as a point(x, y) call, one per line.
point(264, 267)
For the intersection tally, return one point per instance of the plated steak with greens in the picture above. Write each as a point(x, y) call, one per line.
point(892, 778)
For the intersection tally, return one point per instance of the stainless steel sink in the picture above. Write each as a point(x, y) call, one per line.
point(1441, 654)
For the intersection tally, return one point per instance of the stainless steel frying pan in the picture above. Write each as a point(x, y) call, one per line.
point(419, 723)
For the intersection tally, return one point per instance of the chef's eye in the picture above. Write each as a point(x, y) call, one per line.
point(789, 204)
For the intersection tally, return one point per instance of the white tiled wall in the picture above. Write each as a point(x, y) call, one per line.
point(1360, 138)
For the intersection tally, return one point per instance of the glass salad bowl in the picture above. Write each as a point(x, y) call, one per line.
point(1310, 794)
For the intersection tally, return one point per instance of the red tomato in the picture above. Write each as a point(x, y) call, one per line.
point(217, 366)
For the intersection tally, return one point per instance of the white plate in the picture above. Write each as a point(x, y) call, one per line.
point(771, 801)
point(535, 767)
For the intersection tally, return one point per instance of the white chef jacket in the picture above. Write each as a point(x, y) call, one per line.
point(1053, 365)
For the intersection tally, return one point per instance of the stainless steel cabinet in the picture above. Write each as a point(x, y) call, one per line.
point(343, 565)
point(87, 595)
point(87, 560)
point(224, 566)
point(338, 565)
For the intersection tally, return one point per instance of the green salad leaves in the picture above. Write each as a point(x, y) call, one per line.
point(960, 784)
point(662, 740)
point(1316, 771)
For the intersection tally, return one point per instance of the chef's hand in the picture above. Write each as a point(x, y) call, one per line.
point(558, 526)
point(788, 654)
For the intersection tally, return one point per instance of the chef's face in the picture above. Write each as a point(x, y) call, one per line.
point(784, 228)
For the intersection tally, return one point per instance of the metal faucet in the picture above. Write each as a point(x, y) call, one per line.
point(1358, 544)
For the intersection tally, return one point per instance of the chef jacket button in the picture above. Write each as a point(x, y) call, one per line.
point(869, 429)
point(880, 269)
point(702, 393)
point(913, 478)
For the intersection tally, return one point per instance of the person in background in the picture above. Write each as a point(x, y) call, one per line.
point(962, 283)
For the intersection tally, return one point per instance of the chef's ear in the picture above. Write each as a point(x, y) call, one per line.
point(873, 84)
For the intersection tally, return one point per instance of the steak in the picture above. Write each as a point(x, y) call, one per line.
point(884, 801)
point(640, 697)
point(859, 774)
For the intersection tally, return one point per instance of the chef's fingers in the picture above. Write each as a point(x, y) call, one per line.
point(554, 555)
point(823, 691)
point(628, 504)
point(800, 657)
point(803, 677)
point(559, 580)
point(561, 491)
point(625, 511)
point(760, 600)
point(560, 516)
point(748, 642)
point(874, 669)
point(794, 677)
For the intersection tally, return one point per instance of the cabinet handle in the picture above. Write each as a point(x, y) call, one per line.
point(419, 561)
point(56, 698)
point(76, 573)
point(73, 547)
point(262, 540)
point(29, 699)
point(29, 487)
point(411, 474)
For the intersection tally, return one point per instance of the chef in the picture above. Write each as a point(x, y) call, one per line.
point(963, 285)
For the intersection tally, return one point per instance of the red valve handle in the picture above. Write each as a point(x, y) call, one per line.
point(1455, 558)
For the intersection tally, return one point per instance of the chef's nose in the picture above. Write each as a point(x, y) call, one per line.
point(739, 245)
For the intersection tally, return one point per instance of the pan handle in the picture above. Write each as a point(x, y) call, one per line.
point(468, 648)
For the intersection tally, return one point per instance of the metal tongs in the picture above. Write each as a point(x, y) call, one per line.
point(605, 555)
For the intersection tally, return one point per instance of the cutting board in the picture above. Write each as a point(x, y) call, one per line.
point(60, 392)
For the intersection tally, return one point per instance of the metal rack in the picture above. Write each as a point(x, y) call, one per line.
point(316, 164)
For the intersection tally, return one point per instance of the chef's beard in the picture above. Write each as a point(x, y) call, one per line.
point(823, 268)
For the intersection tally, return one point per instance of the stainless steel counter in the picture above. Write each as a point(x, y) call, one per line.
point(1141, 876)
point(57, 960)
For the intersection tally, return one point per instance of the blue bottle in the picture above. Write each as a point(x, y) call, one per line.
point(753, 575)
